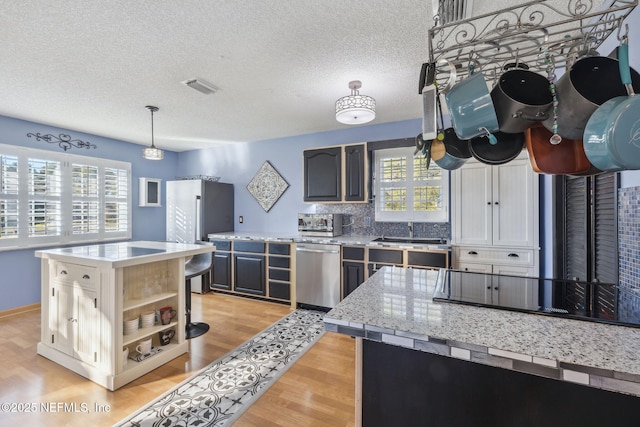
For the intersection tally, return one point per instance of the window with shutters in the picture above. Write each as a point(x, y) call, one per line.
point(406, 190)
point(54, 198)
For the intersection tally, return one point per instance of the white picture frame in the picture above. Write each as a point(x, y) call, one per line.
point(150, 192)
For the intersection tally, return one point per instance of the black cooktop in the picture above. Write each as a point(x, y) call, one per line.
point(597, 302)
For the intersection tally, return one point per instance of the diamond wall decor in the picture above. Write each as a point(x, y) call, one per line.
point(267, 186)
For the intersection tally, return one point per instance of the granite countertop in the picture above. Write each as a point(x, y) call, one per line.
point(123, 253)
point(395, 306)
point(356, 240)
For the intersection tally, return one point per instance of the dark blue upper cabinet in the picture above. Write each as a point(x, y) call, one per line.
point(323, 175)
point(325, 169)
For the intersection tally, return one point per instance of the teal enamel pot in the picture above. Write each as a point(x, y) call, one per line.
point(612, 134)
point(450, 153)
point(471, 107)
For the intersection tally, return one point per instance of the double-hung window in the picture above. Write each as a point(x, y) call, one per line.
point(54, 198)
point(406, 190)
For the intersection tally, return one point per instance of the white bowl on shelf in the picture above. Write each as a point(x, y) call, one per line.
point(131, 325)
point(148, 319)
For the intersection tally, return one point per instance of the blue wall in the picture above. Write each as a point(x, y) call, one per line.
point(20, 277)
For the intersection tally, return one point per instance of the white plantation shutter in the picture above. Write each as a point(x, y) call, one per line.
point(44, 193)
point(406, 190)
point(85, 207)
point(9, 214)
point(56, 198)
point(116, 203)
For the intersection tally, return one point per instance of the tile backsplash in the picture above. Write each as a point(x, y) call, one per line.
point(629, 254)
point(356, 214)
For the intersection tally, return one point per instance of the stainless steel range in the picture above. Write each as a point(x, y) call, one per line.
point(320, 224)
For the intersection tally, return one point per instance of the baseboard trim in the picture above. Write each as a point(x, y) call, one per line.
point(19, 310)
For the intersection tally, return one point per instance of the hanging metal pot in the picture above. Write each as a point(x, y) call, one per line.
point(565, 158)
point(521, 98)
point(589, 83)
point(471, 107)
point(612, 134)
point(508, 147)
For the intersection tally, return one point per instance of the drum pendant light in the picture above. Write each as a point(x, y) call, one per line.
point(355, 109)
point(152, 153)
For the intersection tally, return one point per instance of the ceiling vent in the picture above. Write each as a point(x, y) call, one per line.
point(201, 86)
point(448, 11)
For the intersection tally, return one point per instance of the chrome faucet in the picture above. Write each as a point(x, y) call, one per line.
point(410, 225)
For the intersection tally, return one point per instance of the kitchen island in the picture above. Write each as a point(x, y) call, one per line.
point(88, 292)
point(422, 362)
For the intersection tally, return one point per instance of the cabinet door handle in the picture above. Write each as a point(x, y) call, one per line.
point(514, 255)
point(496, 288)
point(495, 203)
point(63, 272)
point(488, 203)
point(472, 253)
point(86, 277)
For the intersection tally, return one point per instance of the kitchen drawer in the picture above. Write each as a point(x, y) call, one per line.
point(222, 245)
point(280, 290)
point(72, 273)
point(438, 259)
point(388, 256)
point(353, 253)
point(279, 275)
point(494, 256)
point(244, 246)
point(279, 248)
point(279, 261)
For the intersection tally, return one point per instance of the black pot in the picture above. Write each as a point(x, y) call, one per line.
point(521, 98)
point(508, 147)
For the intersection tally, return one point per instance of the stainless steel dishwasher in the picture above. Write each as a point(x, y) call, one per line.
point(317, 274)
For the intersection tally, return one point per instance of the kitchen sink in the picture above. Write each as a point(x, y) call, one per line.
point(411, 240)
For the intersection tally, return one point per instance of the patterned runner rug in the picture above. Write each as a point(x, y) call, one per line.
point(221, 392)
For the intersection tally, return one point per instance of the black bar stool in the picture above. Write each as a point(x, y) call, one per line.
point(198, 265)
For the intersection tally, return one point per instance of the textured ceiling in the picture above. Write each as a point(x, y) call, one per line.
point(92, 66)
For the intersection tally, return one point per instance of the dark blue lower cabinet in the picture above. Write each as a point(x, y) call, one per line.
point(406, 387)
point(221, 270)
point(250, 274)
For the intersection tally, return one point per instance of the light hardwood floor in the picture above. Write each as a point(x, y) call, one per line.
point(317, 391)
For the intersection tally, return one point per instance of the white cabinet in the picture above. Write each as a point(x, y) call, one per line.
point(495, 221)
point(74, 319)
point(495, 205)
point(507, 286)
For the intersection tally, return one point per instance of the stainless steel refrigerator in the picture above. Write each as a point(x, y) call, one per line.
point(196, 208)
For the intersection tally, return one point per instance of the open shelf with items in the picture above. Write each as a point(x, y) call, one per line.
point(145, 289)
point(146, 332)
point(524, 33)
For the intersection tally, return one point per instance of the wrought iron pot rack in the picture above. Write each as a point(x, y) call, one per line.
point(532, 34)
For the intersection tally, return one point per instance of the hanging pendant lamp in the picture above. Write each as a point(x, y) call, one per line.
point(152, 153)
point(355, 109)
